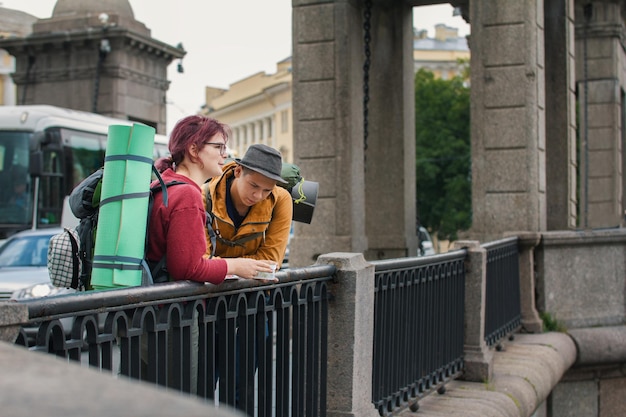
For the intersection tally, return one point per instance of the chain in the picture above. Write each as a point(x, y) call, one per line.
point(367, 17)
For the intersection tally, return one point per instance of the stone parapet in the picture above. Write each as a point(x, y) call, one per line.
point(67, 389)
point(11, 316)
point(524, 374)
point(600, 345)
point(573, 286)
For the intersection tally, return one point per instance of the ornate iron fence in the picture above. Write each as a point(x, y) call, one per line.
point(418, 327)
point(260, 348)
point(502, 303)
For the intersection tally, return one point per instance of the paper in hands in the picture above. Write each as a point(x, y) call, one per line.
point(262, 276)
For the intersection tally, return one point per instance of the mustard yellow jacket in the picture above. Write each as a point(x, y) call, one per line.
point(270, 218)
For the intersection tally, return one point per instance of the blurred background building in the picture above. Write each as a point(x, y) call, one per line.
point(442, 54)
point(259, 108)
point(13, 24)
point(90, 56)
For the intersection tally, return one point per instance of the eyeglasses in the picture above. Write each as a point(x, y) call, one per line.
point(218, 145)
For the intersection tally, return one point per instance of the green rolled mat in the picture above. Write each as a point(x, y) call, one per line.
point(120, 235)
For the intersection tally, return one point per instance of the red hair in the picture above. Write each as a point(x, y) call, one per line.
point(191, 130)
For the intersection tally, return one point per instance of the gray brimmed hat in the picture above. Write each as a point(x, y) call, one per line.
point(264, 160)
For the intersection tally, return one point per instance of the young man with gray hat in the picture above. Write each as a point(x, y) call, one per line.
point(251, 215)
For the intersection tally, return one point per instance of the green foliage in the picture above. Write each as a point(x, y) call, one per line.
point(550, 324)
point(443, 157)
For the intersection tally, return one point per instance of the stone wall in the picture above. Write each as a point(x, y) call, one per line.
point(581, 284)
point(580, 277)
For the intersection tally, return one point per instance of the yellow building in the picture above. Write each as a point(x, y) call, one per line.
point(440, 54)
point(258, 108)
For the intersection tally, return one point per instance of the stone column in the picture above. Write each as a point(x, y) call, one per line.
point(328, 126)
point(246, 137)
point(561, 156)
point(265, 131)
point(390, 153)
point(271, 126)
point(236, 141)
point(254, 129)
point(507, 117)
point(350, 336)
point(366, 200)
point(601, 78)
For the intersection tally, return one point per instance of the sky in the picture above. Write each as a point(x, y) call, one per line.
point(224, 44)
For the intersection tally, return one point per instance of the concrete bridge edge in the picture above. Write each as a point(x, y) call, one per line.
point(524, 373)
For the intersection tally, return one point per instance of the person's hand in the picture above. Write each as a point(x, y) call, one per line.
point(248, 268)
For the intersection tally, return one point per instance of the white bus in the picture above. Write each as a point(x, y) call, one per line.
point(44, 152)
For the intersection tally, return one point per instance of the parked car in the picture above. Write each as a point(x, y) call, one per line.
point(24, 264)
point(425, 243)
point(24, 270)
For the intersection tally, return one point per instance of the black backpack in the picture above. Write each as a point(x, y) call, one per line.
point(71, 253)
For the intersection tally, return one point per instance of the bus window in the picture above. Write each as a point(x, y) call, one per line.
point(71, 144)
point(51, 188)
point(160, 146)
point(84, 154)
point(69, 156)
point(15, 184)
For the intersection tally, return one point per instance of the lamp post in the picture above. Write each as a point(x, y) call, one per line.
point(103, 50)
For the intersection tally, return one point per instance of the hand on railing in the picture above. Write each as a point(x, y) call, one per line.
point(251, 269)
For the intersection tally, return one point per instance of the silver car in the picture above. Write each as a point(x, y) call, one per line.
point(425, 243)
point(24, 264)
point(24, 270)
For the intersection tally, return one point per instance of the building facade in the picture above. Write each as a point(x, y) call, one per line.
point(93, 56)
point(13, 24)
point(259, 109)
point(442, 54)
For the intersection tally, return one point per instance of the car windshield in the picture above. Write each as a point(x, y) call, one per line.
point(25, 251)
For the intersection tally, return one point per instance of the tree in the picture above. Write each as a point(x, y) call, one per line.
point(443, 154)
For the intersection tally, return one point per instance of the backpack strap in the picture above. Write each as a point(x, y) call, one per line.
point(208, 208)
point(136, 195)
point(157, 273)
point(87, 236)
point(240, 242)
point(133, 264)
point(164, 186)
point(75, 263)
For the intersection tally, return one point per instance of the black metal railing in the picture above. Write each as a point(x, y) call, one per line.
point(502, 305)
point(259, 348)
point(418, 327)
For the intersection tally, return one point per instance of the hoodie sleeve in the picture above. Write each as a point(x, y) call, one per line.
point(186, 242)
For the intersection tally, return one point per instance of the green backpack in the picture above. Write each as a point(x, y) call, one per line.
point(71, 252)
